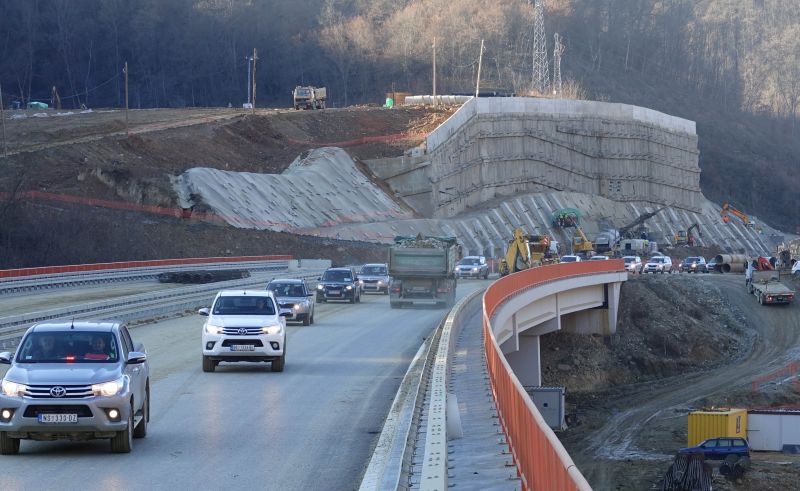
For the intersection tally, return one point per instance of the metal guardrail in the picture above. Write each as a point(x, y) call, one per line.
point(139, 306)
point(20, 284)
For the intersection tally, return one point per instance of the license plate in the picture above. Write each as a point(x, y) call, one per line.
point(58, 418)
point(334, 292)
point(243, 347)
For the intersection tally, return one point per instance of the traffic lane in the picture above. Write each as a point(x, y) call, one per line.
point(312, 426)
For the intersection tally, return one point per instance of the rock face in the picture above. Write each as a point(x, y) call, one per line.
point(502, 147)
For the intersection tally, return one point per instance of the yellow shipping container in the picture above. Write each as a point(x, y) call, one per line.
point(714, 424)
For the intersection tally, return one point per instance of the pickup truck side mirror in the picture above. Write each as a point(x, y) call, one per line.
point(136, 358)
point(5, 357)
point(203, 311)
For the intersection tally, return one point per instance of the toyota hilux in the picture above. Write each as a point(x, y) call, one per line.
point(244, 325)
point(75, 381)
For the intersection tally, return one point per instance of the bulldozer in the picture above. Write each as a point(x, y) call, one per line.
point(527, 251)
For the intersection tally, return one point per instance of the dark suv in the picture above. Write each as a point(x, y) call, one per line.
point(720, 448)
point(339, 284)
point(693, 264)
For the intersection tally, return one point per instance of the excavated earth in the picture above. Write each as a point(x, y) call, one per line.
point(682, 342)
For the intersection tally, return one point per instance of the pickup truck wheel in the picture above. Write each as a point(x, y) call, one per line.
point(761, 299)
point(123, 441)
point(307, 319)
point(312, 317)
point(277, 365)
point(353, 298)
point(8, 445)
point(140, 430)
point(208, 364)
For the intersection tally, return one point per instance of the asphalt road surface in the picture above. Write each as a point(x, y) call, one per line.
point(311, 427)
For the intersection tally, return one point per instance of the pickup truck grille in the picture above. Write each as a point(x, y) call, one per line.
point(70, 391)
point(230, 342)
point(248, 331)
point(287, 305)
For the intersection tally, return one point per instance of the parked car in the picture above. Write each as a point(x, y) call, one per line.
point(598, 258)
point(77, 381)
point(339, 284)
point(633, 264)
point(472, 267)
point(720, 448)
point(374, 278)
point(244, 325)
point(711, 265)
point(693, 264)
point(292, 295)
point(570, 259)
point(658, 264)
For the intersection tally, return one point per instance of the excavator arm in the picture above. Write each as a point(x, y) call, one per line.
point(518, 255)
point(727, 208)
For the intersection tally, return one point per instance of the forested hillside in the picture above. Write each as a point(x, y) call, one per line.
point(731, 65)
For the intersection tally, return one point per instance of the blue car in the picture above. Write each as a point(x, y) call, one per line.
point(719, 448)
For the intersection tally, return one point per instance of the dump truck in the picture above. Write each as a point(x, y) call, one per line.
point(766, 285)
point(423, 271)
point(307, 97)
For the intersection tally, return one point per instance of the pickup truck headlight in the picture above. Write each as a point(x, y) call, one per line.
point(212, 329)
point(380, 282)
point(109, 389)
point(320, 287)
point(349, 287)
point(13, 389)
point(276, 329)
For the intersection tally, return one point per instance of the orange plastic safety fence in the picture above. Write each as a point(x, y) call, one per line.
point(542, 463)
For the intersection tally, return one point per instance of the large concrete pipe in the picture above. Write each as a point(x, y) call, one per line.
point(731, 263)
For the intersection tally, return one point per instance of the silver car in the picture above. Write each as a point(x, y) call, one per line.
point(374, 278)
point(76, 381)
point(293, 295)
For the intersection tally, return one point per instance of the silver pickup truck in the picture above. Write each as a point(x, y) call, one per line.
point(768, 289)
point(75, 381)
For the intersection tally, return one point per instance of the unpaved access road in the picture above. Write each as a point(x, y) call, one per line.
point(638, 428)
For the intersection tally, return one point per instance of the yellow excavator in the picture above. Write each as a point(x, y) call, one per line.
point(581, 245)
point(686, 237)
point(726, 208)
point(526, 251)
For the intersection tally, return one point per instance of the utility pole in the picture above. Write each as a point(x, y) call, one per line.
point(541, 68)
point(249, 76)
point(125, 71)
point(480, 61)
point(557, 52)
point(255, 57)
point(3, 118)
point(434, 71)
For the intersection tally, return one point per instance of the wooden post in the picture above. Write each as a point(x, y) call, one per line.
point(3, 118)
point(255, 57)
point(125, 71)
point(434, 71)
point(480, 60)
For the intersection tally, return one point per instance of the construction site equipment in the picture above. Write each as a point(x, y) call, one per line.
point(423, 271)
point(527, 251)
point(715, 424)
point(581, 245)
point(686, 237)
point(728, 209)
point(633, 230)
point(765, 283)
point(309, 97)
point(731, 263)
point(566, 217)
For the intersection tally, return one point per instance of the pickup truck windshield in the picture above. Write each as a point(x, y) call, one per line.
point(68, 347)
point(244, 305)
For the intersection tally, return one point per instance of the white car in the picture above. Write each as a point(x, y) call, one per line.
point(633, 264)
point(598, 258)
point(570, 259)
point(658, 264)
point(244, 325)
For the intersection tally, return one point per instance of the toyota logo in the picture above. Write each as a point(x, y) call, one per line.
point(58, 391)
point(242, 331)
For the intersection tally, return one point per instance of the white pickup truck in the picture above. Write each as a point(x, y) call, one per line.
point(768, 289)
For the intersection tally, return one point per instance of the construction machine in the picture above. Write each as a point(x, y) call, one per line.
point(686, 237)
point(581, 245)
point(527, 251)
point(566, 217)
point(727, 208)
